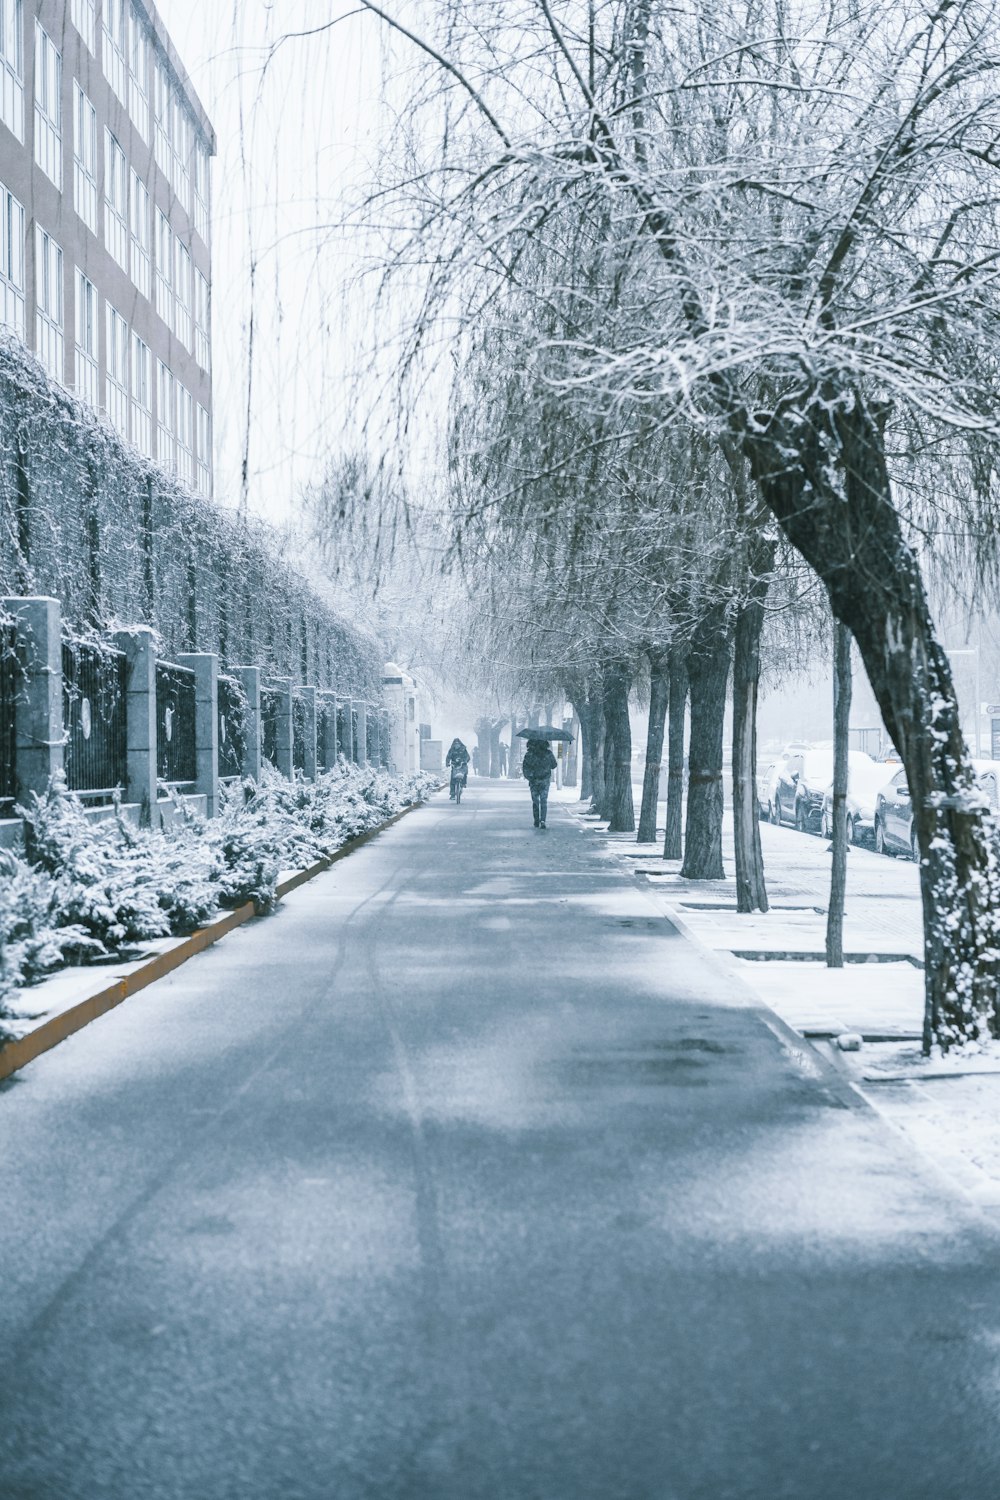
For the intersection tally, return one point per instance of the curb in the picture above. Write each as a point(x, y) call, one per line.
point(17, 1054)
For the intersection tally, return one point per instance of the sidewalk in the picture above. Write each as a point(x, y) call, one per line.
point(948, 1109)
point(781, 953)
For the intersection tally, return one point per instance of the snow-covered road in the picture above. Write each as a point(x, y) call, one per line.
point(467, 1176)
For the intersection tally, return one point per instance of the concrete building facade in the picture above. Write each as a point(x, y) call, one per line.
point(105, 253)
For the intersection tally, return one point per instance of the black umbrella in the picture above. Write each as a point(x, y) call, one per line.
point(545, 732)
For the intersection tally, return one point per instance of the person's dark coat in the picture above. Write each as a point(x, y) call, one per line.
point(539, 762)
point(457, 756)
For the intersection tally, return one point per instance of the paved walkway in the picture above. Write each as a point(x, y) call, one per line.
point(467, 1177)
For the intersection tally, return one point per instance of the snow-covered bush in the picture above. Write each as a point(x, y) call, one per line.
point(87, 890)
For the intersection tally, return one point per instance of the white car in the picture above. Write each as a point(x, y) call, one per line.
point(865, 779)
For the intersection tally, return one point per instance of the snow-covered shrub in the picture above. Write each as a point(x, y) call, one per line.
point(88, 889)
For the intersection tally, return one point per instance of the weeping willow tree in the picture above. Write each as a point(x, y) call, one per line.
point(812, 197)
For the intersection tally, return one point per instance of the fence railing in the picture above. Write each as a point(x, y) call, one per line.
point(175, 725)
point(116, 718)
point(10, 684)
point(94, 679)
point(270, 711)
point(299, 717)
point(233, 710)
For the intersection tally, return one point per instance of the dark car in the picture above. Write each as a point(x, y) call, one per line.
point(799, 788)
point(894, 831)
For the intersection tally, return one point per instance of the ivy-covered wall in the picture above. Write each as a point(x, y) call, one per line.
point(84, 518)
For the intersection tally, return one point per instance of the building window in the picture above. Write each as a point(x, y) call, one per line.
point(183, 139)
point(203, 436)
point(11, 262)
point(85, 21)
point(115, 42)
point(164, 269)
point(142, 396)
point(165, 417)
point(138, 63)
point(201, 188)
point(48, 107)
point(184, 433)
point(183, 294)
point(49, 304)
point(12, 66)
point(116, 363)
point(162, 121)
point(115, 200)
point(139, 227)
point(202, 350)
point(86, 339)
point(84, 158)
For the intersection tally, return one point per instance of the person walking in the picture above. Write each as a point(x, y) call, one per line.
point(475, 756)
point(458, 759)
point(503, 759)
point(537, 767)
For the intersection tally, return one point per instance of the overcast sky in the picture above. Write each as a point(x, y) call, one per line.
point(295, 139)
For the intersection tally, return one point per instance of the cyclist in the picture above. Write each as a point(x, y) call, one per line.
point(458, 759)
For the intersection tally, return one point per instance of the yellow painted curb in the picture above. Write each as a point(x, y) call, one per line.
point(17, 1054)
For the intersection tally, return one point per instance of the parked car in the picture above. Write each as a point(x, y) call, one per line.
point(894, 831)
point(894, 818)
point(768, 777)
point(802, 786)
point(865, 779)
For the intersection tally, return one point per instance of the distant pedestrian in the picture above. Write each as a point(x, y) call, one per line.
point(458, 759)
point(537, 767)
point(503, 759)
point(475, 759)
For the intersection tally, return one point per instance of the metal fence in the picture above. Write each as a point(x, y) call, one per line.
point(233, 709)
point(270, 708)
point(299, 716)
point(94, 681)
point(175, 742)
point(326, 751)
point(10, 686)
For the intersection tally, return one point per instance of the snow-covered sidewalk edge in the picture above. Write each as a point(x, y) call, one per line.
point(75, 996)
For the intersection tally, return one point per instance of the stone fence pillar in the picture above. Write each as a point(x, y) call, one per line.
point(205, 665)
point(140, 720)
point(38, 721)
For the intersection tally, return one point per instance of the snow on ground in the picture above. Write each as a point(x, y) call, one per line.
point(949, 1108)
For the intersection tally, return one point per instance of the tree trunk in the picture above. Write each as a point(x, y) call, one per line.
point(597, 748)
point(571, 773)
point(659, 695)
point(585, 713)
point(886, 610)
point(495, 729)
point(618, 767)
point(673, 841)
point(483, 728)
point(512, 767)
point(841, 743)
point(708, 672)
point(751, 890)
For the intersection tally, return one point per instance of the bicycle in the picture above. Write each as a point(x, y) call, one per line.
point(458, 779)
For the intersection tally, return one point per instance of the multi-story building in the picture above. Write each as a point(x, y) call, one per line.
point(105, 263)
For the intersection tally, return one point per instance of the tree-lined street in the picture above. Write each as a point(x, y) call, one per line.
point(467, 1176)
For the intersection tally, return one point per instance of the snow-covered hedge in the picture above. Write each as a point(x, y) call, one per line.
point(88, 890)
